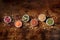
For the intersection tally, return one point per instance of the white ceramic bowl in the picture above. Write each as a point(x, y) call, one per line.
point(18, 23)
point(34, 22)
point(25, 18)
point(7, 19)
point(50, 21)
point(42, 17)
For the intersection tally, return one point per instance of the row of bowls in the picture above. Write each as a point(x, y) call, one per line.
point(33, 22)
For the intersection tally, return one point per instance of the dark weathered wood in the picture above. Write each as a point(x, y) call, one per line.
point(33, 8)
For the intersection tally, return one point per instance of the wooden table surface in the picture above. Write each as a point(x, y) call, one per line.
point(33, 8)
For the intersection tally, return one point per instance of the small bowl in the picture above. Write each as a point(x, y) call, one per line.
point(50, 21)
point(7, 19)
point(42, 17)
point(18, 23)
point(34, 22)
point(25, 18)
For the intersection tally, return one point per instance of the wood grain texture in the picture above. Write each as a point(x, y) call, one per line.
point(33, 8)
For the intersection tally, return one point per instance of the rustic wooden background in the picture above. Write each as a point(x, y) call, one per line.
point(33, 8)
